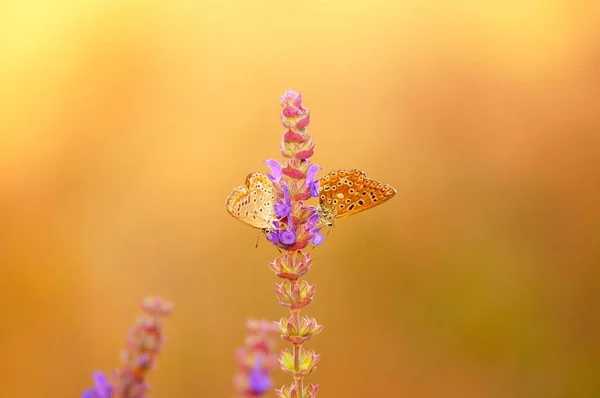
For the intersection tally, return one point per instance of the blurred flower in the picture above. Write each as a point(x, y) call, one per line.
point(257, 359)
point(259, 381)
point(101, 389)
point(143, 343)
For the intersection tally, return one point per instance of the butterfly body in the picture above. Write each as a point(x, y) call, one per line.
point(345, 193)
point(253, 202)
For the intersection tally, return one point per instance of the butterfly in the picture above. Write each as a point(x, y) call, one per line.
point(344, 193)
point(253, 203)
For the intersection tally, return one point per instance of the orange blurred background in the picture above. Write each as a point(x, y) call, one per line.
point(125, 124)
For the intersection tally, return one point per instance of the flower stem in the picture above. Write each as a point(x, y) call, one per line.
point(295, 329)
point(298, 377)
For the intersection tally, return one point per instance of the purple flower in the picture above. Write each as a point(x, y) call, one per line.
point(312, 220)
point(310, 180)
point(273, 237)
point(283, 209)
point(101, 389)
point(310, 225)
point(258, 381)
point(275, 169)
point(317, 237)
point(287, 237)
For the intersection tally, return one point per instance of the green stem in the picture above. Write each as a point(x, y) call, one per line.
point(298, 378)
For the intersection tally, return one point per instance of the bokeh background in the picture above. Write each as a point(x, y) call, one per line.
point(125, 124)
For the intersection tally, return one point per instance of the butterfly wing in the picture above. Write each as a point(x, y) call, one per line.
point(253, 203)
point(347, 192)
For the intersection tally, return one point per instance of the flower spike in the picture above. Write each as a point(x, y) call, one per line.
point(294, 180)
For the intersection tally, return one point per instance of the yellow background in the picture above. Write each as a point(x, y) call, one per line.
point(124, 125)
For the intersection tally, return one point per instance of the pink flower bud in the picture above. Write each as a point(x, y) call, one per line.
point(289, 96)
point(305, 154)
point(292, 136)
point(293, 173)
point(289, 111)
point(303, 122)
point(298, 100)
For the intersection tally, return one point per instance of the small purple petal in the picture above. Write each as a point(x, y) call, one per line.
point(286, 193)
point(87, 394)
point(287, 237)
point(314, 189)
point(144, 361)
point(259, 382)
point(312, 172)
point(275, 169)
point(273, 237)
point(102, 387)
point(312, 221)
point(317, 238)
point(283, 209)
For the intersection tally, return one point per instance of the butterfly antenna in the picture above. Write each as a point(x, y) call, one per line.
point(257, 239)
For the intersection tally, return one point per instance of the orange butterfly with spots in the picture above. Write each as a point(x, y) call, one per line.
point(344, 193)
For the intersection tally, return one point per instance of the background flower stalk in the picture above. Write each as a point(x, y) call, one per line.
point(144, 342)
point(256, 359)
